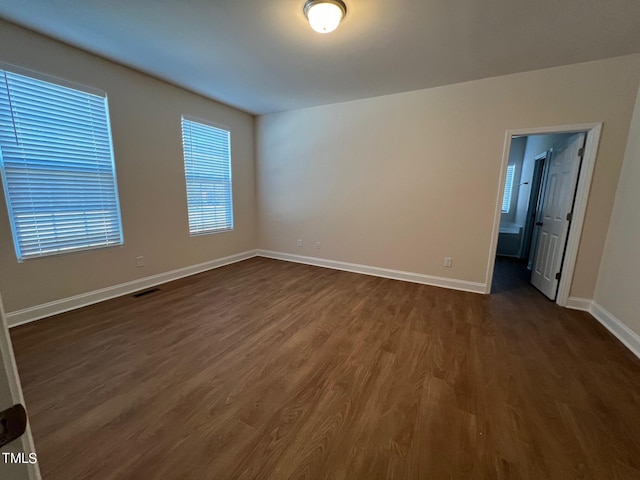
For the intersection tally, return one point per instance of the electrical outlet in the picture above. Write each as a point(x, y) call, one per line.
point(139, 261)
point(318, 245)
point(299, 242)
point(448, 261)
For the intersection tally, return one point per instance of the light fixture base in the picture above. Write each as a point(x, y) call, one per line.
point(323, 19)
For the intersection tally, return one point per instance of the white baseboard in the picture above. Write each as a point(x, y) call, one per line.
point(628, 337)
point(20, 317)
point(623, 333)
point(452, 283)
point(577, 303)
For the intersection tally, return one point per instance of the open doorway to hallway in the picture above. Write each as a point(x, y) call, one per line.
point(537, 208)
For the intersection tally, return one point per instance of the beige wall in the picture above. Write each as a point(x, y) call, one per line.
point(618, 289)
point(400, 181)
point(397, 181)
point(145, 120)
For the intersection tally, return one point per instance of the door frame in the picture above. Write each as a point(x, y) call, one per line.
point(593, 131)
point(9, 369)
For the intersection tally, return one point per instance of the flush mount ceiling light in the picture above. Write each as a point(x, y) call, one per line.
point(324, 15)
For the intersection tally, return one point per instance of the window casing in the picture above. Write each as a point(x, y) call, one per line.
point(207, 165)
point(508, 188)
point(58, 171)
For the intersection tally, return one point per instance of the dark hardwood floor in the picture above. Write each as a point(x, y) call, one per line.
point(273, 370)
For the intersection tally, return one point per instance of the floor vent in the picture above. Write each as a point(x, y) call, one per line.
point(146, 292)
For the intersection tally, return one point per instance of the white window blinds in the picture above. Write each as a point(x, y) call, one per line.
point(508, 187)
point(207, 166)
point(57, 167)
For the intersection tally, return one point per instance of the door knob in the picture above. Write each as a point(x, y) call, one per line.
point(13, 423)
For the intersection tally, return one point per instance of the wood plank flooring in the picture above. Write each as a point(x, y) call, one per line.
point(273, 370)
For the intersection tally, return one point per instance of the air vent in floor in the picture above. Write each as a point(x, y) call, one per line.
point(146, 292)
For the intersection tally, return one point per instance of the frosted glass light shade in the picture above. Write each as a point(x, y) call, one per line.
point(324, 15)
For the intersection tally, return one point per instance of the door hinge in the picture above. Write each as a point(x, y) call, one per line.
point(569, 216)
point(581, 152)
point(558, 275)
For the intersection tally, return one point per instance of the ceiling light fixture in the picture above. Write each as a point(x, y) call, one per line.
point(324, 15)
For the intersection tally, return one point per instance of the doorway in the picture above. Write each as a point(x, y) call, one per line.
point(542, 196)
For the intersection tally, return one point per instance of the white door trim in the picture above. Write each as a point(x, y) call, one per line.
point(9, 369)
point(593, 131)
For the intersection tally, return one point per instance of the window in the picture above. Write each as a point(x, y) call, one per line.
point(207, 167)
point(57, 167)
point(508, 186)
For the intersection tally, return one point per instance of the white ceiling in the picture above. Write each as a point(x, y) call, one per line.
point(261, 56)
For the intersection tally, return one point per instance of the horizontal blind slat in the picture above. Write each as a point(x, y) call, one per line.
point(207, 161)
point(57, 167)
point(508, 187)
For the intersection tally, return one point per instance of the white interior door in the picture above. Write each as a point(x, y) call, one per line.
point(557, 204)
point(16, 466)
